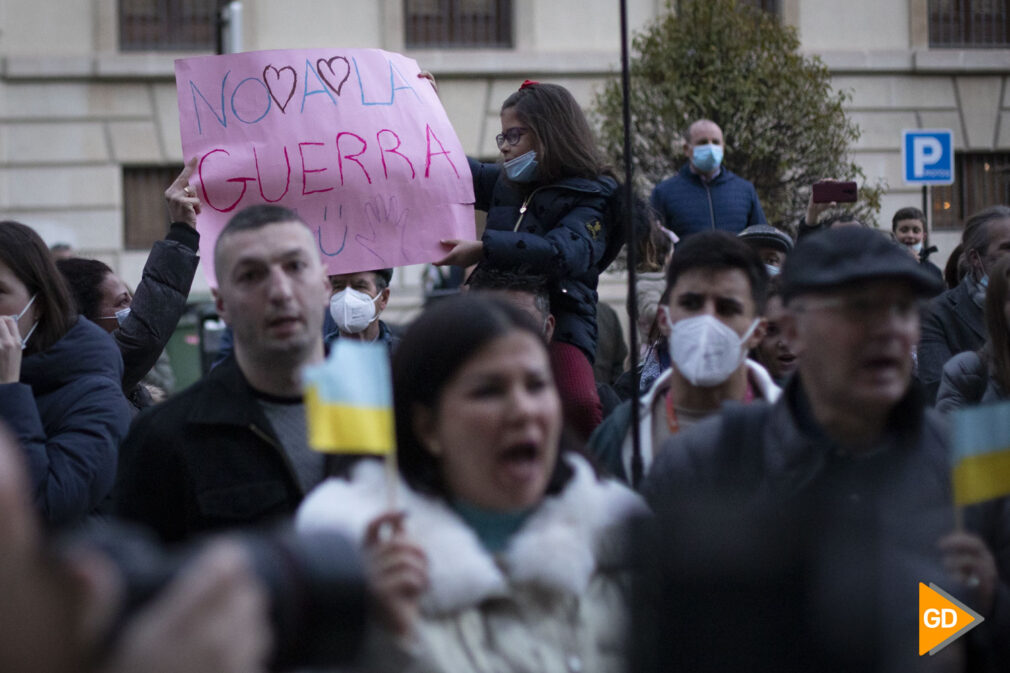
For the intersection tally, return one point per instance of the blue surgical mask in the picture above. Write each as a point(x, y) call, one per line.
point(120, 315)
point(984, 281)
point(772, 270)
point(24, 341)
point(523, 168)
point(707, 158)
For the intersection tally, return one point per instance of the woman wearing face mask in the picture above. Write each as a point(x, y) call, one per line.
point(908, 226)
point(59, 382)
point(504, 555)
point(551, 205)
point(142, 323)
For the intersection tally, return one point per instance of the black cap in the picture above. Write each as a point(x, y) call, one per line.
point(767, 236)
point(836, 257)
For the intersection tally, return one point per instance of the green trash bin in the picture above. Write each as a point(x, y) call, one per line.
point(183, 350)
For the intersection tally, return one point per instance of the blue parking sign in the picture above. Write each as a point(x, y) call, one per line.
point(928, 156)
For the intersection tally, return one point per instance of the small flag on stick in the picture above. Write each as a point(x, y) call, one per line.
point(349, 400)
point(981, 453)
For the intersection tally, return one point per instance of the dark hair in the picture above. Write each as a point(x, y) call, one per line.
point(719, 251)
point(566, 146)
point(653, 245)
point(252, 217)
point(519, 279)
point(996, 351)
point(29, 259)
point(84, 277)
point(954, 269)
point(909, 213)
point(434, 348)
point(976, 230)
point(382, 278)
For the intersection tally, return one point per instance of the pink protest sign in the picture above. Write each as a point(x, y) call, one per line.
point(351, 139)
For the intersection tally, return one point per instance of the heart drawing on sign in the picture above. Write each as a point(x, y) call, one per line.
point(274, 74)
point(332, 77)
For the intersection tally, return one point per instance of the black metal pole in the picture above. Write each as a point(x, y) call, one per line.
point(636, 441)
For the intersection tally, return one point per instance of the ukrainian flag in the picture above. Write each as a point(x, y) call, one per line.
point(349, 400)
point(981, 453)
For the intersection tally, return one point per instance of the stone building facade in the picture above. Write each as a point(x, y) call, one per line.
point(84, 116)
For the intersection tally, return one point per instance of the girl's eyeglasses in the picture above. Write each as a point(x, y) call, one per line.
point(511, 136)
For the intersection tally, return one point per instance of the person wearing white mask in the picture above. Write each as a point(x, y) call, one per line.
point(705, 195)
point(59, 383)
point(356, 301)
point(711, 314)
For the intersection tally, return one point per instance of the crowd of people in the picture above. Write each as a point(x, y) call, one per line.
point(788, 478)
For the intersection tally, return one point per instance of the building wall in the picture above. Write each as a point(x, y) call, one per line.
point(74, 110)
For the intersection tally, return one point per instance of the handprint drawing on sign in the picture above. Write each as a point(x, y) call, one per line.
point(385, 215)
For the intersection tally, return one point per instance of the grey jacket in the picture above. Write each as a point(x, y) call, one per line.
point(952, 324)
point(966, 382)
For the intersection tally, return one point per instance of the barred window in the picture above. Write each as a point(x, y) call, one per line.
point(458, 23)
point(168, 25)
point(981, 179)
point(961, 24)
point(145, 216)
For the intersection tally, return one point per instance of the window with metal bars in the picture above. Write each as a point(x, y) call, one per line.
point(458, 23)
point(168, 25)
point(969, 24)
point(145, 216)
point(981, 179)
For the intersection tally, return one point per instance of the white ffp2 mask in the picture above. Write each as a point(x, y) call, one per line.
point(706, 351)
point(352, 310)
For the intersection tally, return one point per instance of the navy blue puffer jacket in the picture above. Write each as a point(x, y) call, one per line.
point(689, 205)
point(567, 231)
point(69, 413)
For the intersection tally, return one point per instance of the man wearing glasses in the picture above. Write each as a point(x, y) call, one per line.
point(849, 447)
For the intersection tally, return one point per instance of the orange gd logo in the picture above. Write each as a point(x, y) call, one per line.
point(942, 619)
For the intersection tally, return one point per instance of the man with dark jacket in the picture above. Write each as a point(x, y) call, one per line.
point(848, 447)
point(704, 195)
point(955, 320)
point(232, 450)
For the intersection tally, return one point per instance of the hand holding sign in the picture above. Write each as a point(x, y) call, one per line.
point(350, 139)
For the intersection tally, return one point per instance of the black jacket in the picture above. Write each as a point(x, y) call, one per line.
point(158, 303)
point(871, 522)
point(568, 232)
point(954, 323)
point(207, 459)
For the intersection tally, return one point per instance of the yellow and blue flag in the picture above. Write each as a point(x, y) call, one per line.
point(981, 453)
point(349, 400)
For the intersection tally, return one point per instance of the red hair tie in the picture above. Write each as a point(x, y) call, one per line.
point(529, 82)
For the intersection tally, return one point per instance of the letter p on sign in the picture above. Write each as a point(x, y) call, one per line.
point(926, 151)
